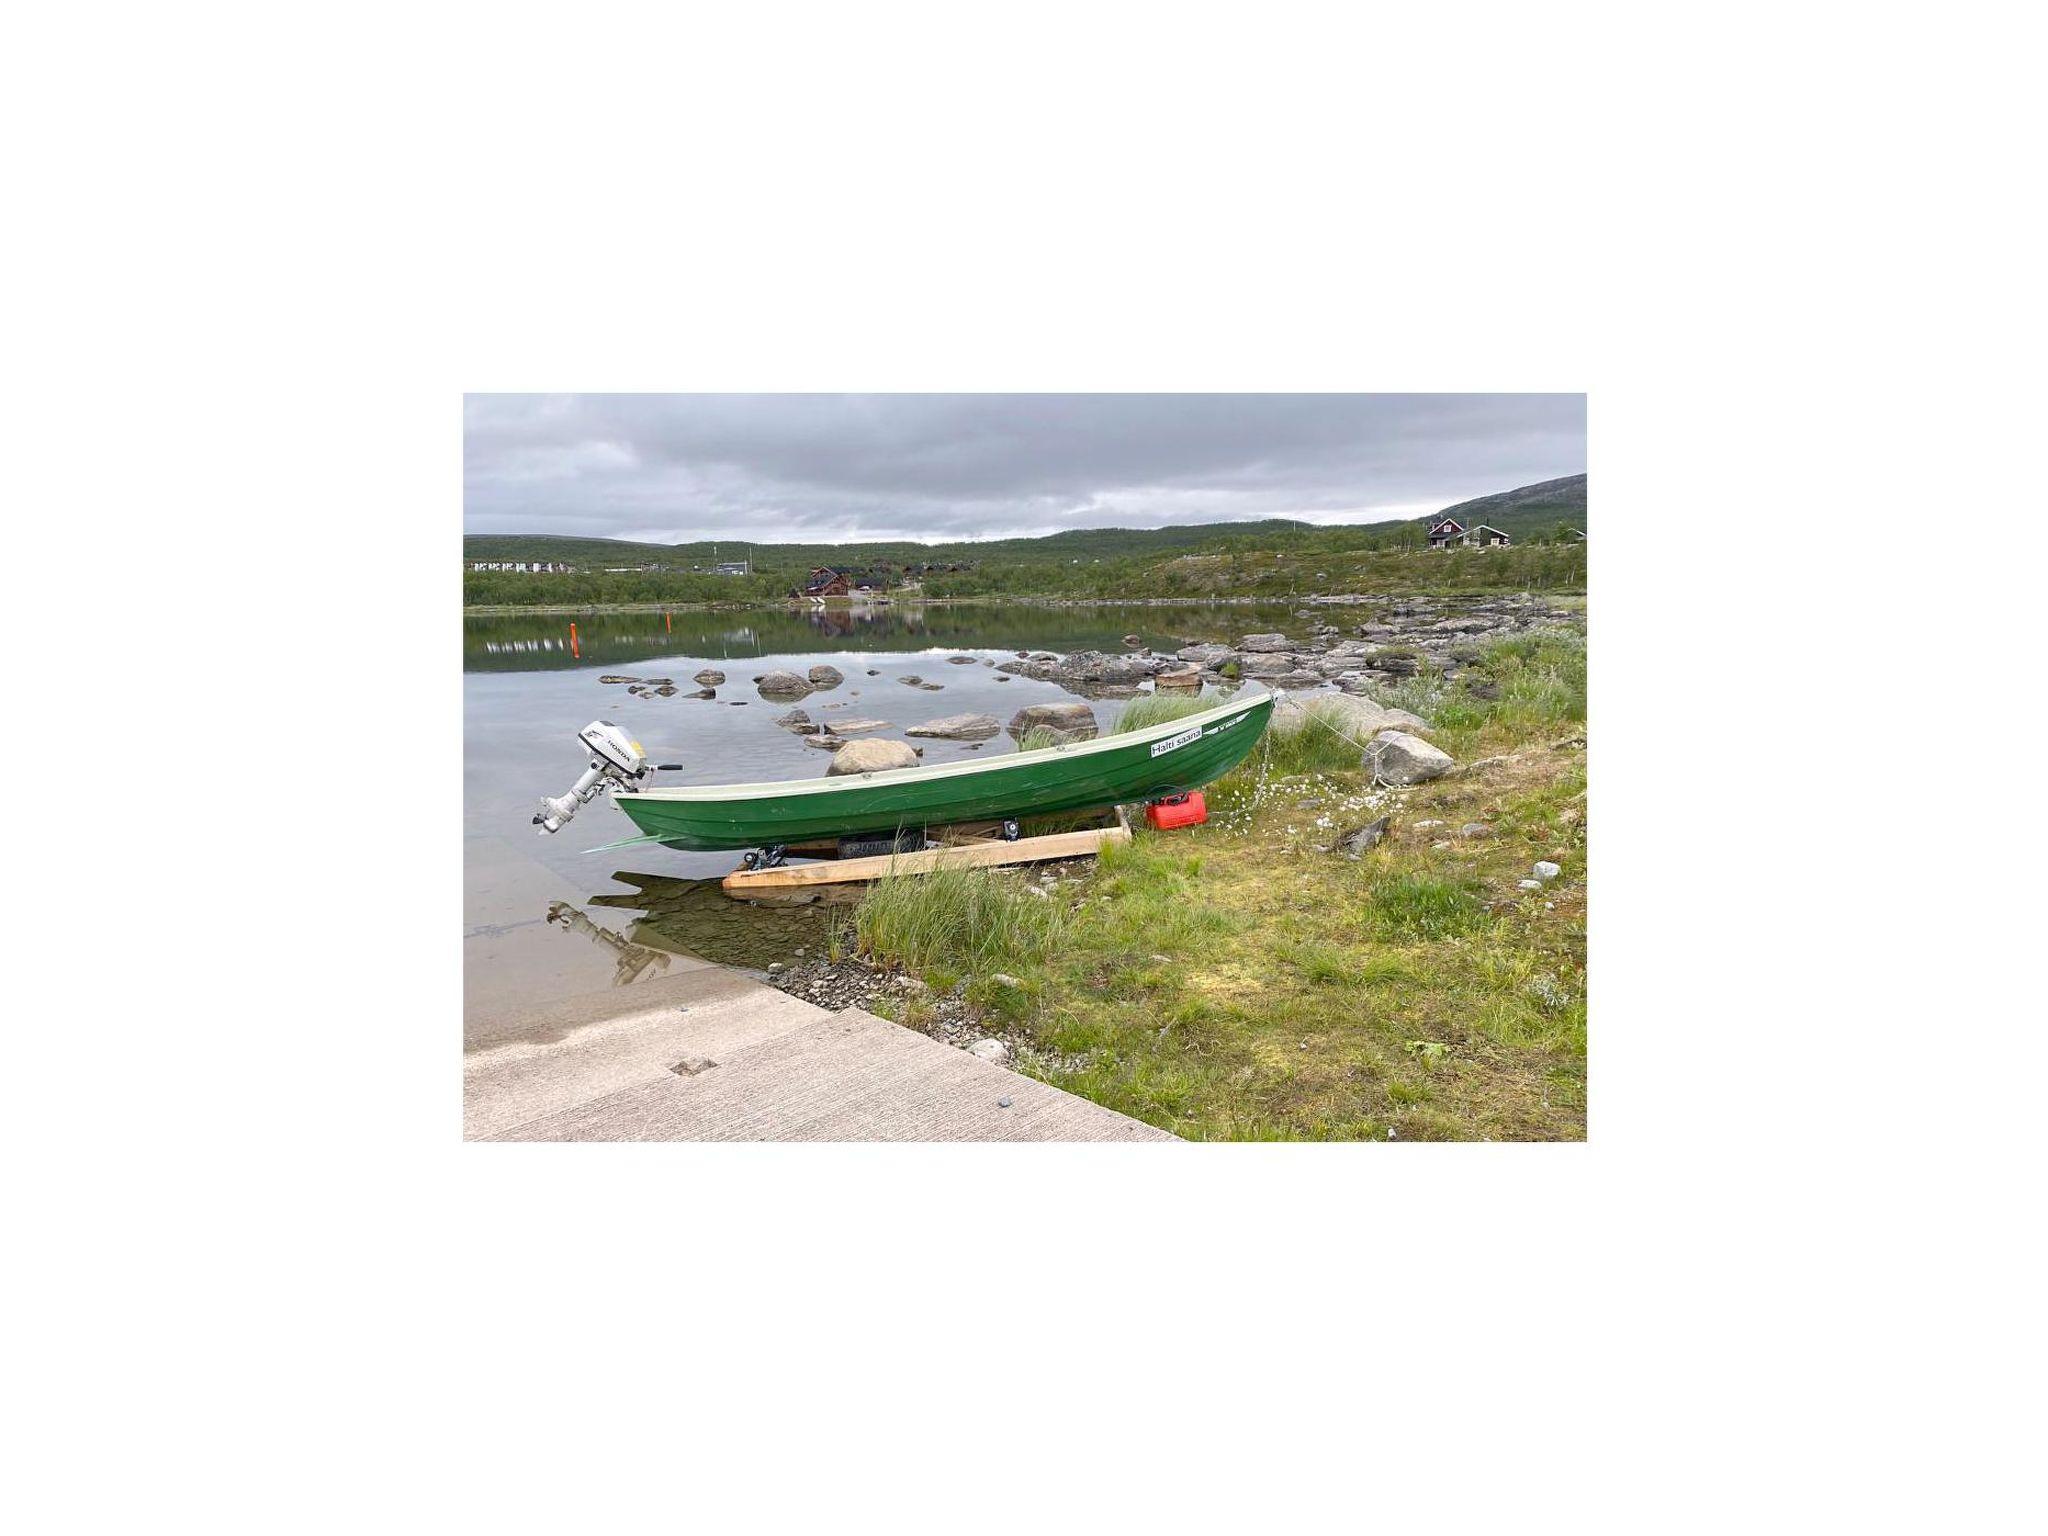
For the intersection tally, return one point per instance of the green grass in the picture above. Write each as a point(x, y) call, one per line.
point(1324, 743)
point(1537, 682)
point(959, 920)
point(1238, 981)
point(1411, 905)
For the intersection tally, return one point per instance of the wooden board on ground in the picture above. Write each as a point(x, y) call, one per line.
point(1025, 850)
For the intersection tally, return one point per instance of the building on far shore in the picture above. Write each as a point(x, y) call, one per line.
point(823, 582)
point(1449, 531)
point(532, 567)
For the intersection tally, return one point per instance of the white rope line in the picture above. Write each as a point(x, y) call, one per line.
point(1371, 750)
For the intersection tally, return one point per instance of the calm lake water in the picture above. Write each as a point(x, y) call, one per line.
point(545, 916)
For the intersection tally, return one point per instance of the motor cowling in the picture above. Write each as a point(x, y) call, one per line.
point(616, 760)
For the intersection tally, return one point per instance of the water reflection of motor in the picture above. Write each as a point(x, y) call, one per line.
point(635, 960)
point(615, 759)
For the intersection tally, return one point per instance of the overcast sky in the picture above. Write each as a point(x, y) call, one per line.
point(786, 468)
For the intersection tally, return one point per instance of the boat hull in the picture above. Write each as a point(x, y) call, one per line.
point(1141, 765)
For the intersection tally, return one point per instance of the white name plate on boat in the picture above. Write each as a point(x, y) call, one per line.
point(1194, 734)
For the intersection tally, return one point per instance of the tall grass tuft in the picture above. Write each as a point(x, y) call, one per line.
point(969, 919)
point(1323, 744)
point(1038, 736)
point(1156, 709)
point(1541, 676)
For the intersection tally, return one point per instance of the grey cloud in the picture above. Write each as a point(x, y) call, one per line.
point(791, 467)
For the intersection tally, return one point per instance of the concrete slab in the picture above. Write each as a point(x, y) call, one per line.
point(602, 1069)
point(552, 1056)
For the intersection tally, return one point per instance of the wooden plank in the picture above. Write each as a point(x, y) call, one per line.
point(1026, 850)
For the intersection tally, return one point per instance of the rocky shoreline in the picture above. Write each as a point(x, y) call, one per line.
point(1404, 635)
point(1400, 639)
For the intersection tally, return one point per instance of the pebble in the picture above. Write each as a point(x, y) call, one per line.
point(1545, 870)
point(990, 1050)
point(1530, 885)
point(1002, 980)
point(1003, 1103)
point(1475, 829)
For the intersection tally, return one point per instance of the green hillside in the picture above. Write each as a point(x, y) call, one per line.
point(1085, 543)
point(1529, 511)
point(1274, 556)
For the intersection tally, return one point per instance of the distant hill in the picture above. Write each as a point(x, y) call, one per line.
point(1526, 510)
point(1080, 543)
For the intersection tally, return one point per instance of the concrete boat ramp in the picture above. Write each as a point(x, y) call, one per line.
point(712, 1055)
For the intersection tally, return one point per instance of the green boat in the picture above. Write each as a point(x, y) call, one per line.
point(1147, 764)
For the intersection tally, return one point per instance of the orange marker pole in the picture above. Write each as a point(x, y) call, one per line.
point(574, 649)
point(665, 623)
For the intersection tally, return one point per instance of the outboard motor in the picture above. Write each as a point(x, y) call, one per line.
point(615, 759)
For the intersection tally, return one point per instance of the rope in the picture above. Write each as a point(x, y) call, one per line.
point(1370, 749)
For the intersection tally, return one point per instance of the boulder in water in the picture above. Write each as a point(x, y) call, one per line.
point(1076, 719)
point(958, 728)
point(873, 755)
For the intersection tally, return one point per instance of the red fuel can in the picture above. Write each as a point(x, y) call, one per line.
point(1188, 810)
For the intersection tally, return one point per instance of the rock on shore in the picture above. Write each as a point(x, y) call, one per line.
point(1350, 714)
point(958, 728)
point(1395, 757)
point(874, 755)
